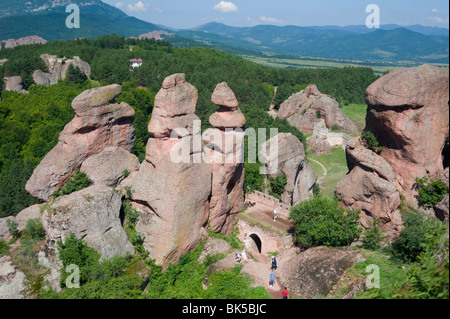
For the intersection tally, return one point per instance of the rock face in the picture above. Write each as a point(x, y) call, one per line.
point(91, 214)
point(172, 197)
point(289, 159)
point(227, 193)
point(12, 280)
point(370, 187)
point(98, 124)
point(11, 43)
point(322, 141)
point(302, 109)
point(14, 83)
point(408, 112)
point(108, 167)
point(314, 272)
point(57, 69)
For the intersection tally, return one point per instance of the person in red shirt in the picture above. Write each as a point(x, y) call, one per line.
point(285, 293)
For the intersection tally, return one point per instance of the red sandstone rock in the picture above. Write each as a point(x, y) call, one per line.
point(224, 96)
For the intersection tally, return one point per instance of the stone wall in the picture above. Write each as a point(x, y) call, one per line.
point(269, 201)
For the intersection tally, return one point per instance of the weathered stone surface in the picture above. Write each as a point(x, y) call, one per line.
point(14, 83)
point(314, 272)
point(57, 69)
point(11, 43)
point(12, 280)
point(32, 212)
point(107, 168)
point(369, 187)
point(214, 247)
point(225, 118)
point(289, 158)
point(172, 197)
point(224, 96)
point(408, 112)
point(301, 111)
point(441, 210)
point(4, 232)
point(89, 133)
point(91, 214)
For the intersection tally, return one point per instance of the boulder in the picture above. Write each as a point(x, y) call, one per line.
point(441, 210)
point(108, 167)
point(408, 112)
point(173, 197)
point(14, 83)
point(369, 187)
point(91, 214)
point(214, 247)
point(302, 109)
point(32, 212)
point(224, 96)
point(315, 271)
point(289, 159)
point(98, 124)
point(12, 280)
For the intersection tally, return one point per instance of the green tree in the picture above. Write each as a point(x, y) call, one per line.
point(321, 221)
point(277, 185)
point(373, 236)
point(431, 192)
point(75, 75)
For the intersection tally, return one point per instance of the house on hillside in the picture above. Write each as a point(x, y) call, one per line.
point(135, 63)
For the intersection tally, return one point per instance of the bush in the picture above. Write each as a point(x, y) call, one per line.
point(12, 228)
point(372, 142)
point(321, 221)
point(75, 75)
point(34, 230)
point(430, 192)
point(415, 238)
point(4, 248)
point(372, 237)
point(277, 185)
point(77, 181)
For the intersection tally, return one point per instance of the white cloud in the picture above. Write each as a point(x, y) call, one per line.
point(269, 19)
point(435, 10)
point(119, 4)
point(438, 20)
point(137, 7)
point(226, 7)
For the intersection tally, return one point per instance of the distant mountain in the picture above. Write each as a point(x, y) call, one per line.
point(46, 18)
point(362, 29)
point(354, 42)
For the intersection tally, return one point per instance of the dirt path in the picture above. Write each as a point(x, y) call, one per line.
point(325, 171)
point(264, 214)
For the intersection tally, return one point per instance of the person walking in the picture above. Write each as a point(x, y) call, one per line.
point(285, 293)
point(275, 214)
point(272, 280)
point(238, 258)
point(274, 262)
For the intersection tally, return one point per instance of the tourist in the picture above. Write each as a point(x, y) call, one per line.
point(275, 214)
point(274, 263)
point(244, 256)
point(238, 258)
point(285, 293)
point(272, 279)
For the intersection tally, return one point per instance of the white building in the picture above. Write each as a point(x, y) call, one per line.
point(135, 63)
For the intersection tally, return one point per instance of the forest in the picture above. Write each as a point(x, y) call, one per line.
point(30, 123)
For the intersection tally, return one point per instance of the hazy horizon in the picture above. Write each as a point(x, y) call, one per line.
point(187, 14)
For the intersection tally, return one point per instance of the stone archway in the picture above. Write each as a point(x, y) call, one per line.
point(257, 242)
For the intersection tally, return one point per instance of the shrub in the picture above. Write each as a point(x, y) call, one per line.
point(321, 221)
point(418, 235)
point(4, 249)
point(372, 237)
point(372, 142)
point(430, 192)
point(12, 228)
point(77, 181)
point(75, 75)
point(34, 230)
point(277, 185)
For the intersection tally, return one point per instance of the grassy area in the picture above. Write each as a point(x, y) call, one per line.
point(356, 113)
point(336, 165)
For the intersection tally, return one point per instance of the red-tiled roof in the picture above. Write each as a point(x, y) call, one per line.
point(136, 60)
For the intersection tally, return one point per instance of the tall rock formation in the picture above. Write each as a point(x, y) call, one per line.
point(172, 196)
point(306, 108)
point(98, 124)
point(290, 160)
point(225, 147)
point(57, 69)
point(408, 112)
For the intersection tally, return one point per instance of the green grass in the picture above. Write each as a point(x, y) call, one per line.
point(336, 164)
point(356, 113)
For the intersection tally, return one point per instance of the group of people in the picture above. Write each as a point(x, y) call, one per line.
point(240, 257)
point(274, 265)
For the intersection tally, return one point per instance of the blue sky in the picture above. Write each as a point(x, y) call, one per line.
point(191, 13)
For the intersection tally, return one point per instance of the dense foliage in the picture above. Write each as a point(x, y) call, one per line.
point(373, 235)
point(431, 192)
point(322, 222)
point(76, 181)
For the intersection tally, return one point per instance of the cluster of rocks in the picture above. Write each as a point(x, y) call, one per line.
point(408, 112)
point(285, 154)
point(323, 141)
point(11, 43)
point(57, 70)
point(302, 111)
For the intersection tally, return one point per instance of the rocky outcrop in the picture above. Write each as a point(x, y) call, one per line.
point(214, 247)
point(11, 43)
point(225, 149)
point(12, 280)
point(109, 167)
point(314, 272)
point(91, 214)
point(157, 35)
point(14, 83)
point(408, 112)
point(370, 187)
point(98, 124)
point(289, 159)
point(171, 196)
point(322, 141)
point(57, 69)
point(302, 110)
point(32, 212)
